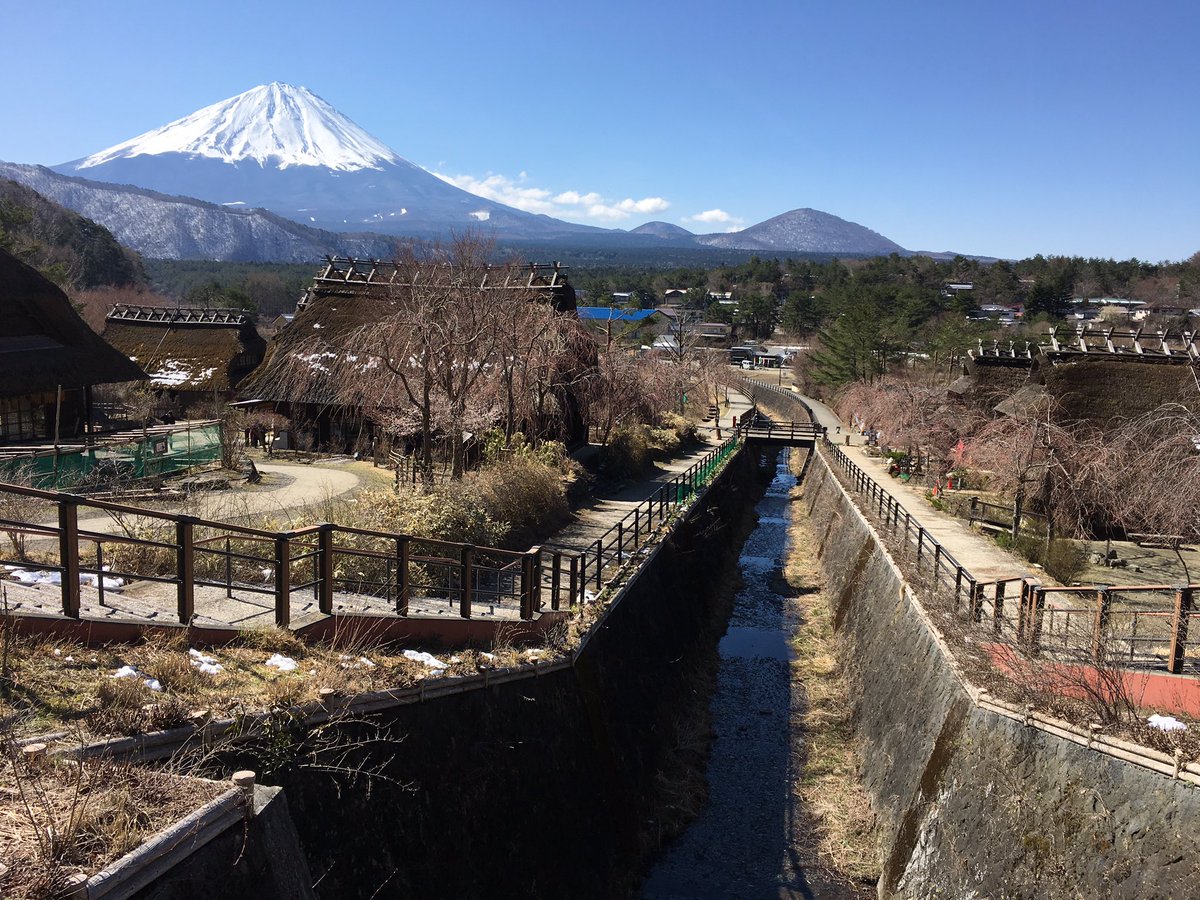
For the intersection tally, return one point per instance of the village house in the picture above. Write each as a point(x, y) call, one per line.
point(300, 375)
point(49, 360)
point(191, 354)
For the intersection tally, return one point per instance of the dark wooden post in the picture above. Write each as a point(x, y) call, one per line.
point(325, 569)
point(976, 601)
point(283, 579)
point(555, 578)
point(185, 569)
point(1179, 629)
point(528, 573)
point(574, 596)
point(937, 563)
point(402, 581)
point(536, 552)
point(466, 574)
point(958, 579)
point(998, 609)
point(636, 528)
point(620, 541)
point(1022, 611)
point(68, 554)
point(1037, 605)
point(100, 570)
point(599, 565)
point(228, 568)
point(1103, 608)
point(920, 540)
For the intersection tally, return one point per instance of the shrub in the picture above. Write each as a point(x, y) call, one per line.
point(627, 453)
point(525, 497)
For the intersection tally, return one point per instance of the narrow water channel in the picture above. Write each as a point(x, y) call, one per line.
point(753, 838)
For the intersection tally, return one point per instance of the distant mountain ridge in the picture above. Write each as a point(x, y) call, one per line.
point(283, 148)
point(165, 227)
point(280, 174)
point(806, 231)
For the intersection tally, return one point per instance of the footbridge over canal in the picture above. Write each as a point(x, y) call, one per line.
point(763, 431)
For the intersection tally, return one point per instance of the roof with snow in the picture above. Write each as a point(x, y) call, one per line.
point(321, 351)
point(614, 314)
point(44, 343)
point(187, 348)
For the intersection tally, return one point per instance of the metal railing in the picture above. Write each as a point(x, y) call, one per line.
point(571, 574)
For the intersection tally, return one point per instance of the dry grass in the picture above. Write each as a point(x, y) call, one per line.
point(57, 685)
point(830, 787)
point(61, 817)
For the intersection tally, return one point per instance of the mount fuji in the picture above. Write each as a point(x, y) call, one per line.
point(286, 150)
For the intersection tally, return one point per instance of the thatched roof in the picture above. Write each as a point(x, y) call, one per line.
point(305, 359)
point(43, 341)
point(187, 348)
point(1106, 388)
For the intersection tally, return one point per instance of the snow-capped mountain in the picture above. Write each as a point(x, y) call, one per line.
point(285, 149)
point(272, 124)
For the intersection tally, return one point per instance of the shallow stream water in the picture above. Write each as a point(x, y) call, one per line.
point(753, 838)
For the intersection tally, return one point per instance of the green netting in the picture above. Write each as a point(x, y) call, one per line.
point(152, 457)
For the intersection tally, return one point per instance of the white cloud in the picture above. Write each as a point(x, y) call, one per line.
point(711, 217)
point(569, 204)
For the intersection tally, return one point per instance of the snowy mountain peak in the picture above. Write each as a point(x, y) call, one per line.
point(276, 125)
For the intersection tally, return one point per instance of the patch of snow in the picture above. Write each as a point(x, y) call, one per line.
point(131, 672)
point(282, 663)
point(1166, 723)
point(349, 662)
point(206, 665)
point(234, 203)
point(427, 659)
point(481, 215)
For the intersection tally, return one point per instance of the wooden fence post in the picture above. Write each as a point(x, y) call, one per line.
point(68, 554)
point(325, 569)
point(998, 609)
point(1103, 608)
point(402, 578)
point(976, 601)
point(283, 579)
point(1037, 606)
point(599, 565)
point(555, 578)
point(527, 591)
point(1179, 629)
point(185, 569)
point(574, 595)
point(466, 574)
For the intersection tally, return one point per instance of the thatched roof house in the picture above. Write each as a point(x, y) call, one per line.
point(187, 350)
point(302, 369)
point(45, 346)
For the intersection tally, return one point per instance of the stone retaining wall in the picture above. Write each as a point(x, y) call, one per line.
point(971, 802)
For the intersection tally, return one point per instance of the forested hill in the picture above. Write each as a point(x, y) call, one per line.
point(74, 252)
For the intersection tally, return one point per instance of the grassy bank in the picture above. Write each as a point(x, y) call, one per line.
point(829, 786)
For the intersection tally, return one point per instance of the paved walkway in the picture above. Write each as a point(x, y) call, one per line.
point(603, 512)
point(979, 555)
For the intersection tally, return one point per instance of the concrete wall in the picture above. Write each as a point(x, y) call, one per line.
point(552, 786)
point(254, 860)
point(970, 802)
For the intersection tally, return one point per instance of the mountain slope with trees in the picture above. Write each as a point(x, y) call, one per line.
point(70, 250)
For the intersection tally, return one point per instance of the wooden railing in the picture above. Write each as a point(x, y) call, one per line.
point(374, 569)
point(1138, 626)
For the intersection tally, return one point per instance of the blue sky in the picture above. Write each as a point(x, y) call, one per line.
point(994, 128)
